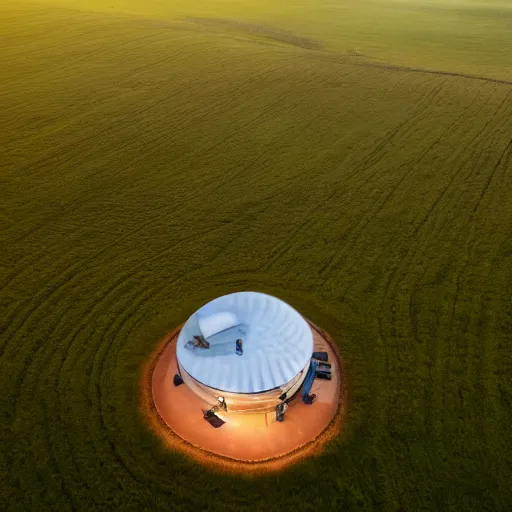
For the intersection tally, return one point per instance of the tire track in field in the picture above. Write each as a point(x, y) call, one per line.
point(57, 79)
point(430, 211)
point(491, 176)
point(71, 363)
point(119, 126)
point(435, 72)
point(69, 275)
point(471, 239)
point(377, 155)
point(58, 216)
point(29, 368)
point(202, 114)
point(370, 160)
point(118, 332)
point(358, 228)
point(119, 240)
point(486, 376)
point(410, 256)
point(230, 177)
point(337, 58)
point(62, 215)
point(82, 143)
point(94, 136)
point(45, 361)
point(28, 371)
point(306, 220)
point(473, 140)
point(121, 281)
point(74, 275)
point(60, 279)
point(469, 243)
point(100, 435)
point(267, 152)
point(124, 76)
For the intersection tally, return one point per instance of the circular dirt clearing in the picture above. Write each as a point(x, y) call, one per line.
point(245, 439)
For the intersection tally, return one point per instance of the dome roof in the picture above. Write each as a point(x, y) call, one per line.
point(277, 343)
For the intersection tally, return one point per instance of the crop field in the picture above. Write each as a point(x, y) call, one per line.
point(352, 158)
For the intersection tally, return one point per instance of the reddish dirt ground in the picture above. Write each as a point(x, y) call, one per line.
point(244, 441)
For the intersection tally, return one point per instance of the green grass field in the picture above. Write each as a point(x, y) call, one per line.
point(154, 155)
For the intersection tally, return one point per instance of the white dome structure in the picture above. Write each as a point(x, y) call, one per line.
point(276, 343)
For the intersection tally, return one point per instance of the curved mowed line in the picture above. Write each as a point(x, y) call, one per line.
point(144, 174)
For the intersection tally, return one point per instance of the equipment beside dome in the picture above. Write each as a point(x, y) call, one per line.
point(210, 415)
point(307, 398)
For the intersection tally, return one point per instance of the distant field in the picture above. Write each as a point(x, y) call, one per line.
point(467, 36)
point(150, 163)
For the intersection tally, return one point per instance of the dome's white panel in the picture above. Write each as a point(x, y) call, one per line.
point(211, 324)
point(277, 343)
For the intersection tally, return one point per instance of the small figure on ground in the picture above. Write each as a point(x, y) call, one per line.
point(280, 410)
